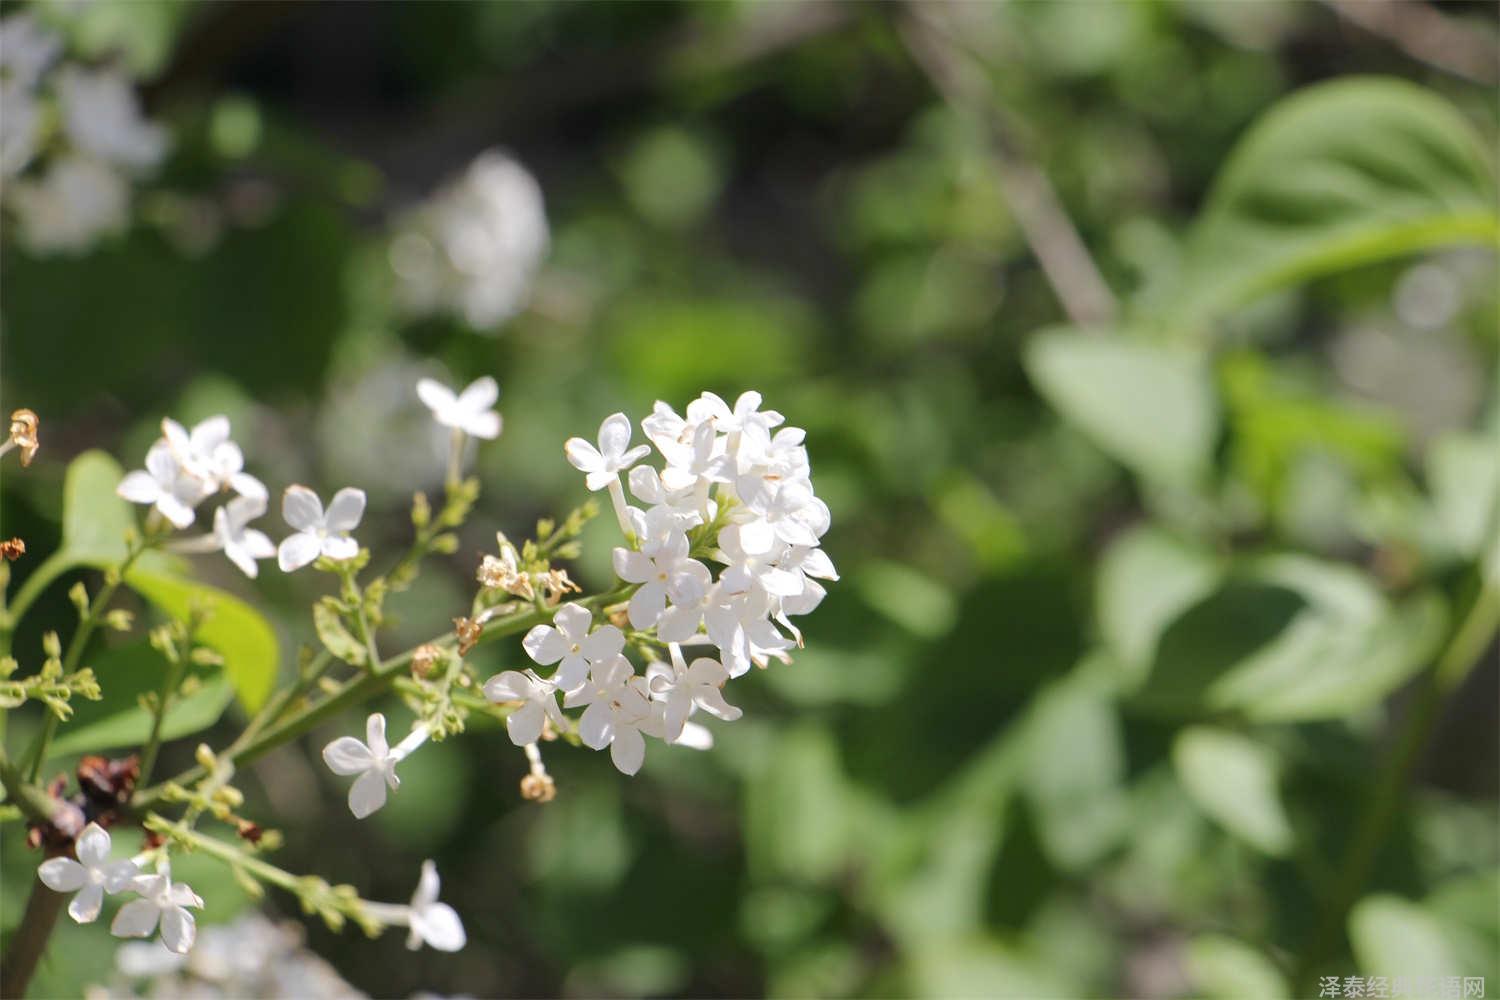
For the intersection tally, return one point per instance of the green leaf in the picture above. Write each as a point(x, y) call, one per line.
point(1338, 175)
point(95, 518)
point(1292, 639)
point(1394, 937)
point(1463, 473)
point(795, 816)
point(1234, 780)
point(1146, 579)
point(1150, 406)
point(125, 673)
point(335, 637)
point(1222, 967)
point(234, 629)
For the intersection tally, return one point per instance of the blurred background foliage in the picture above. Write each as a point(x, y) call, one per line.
point(1129, 617)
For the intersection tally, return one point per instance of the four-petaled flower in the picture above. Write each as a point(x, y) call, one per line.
point(241, 543)
point(468, 411)
point(604, 464)
point(571, 646)
point(432, 922)
point(162, 901)
point(617, 712)
point(319, 533)
point(206, 453)
point(90, 877)
point(539, 704)
point(167, 485)
point(374, 761)
point(680, 687)
point(655, 572)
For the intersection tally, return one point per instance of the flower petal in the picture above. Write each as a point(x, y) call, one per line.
point(604, 643)
point(647, 605)
point(340, 548)
point(301, 508)
point(480, 395)
point(136, 918)
point(367, 794)
point(436, 396)
point(118, 876)
point(297, 551)
point(62, 874)
point(596, 727)
point(345, 509)
point(525, 724)
point(544, 644)
point(512, 685)
point(573, 621)
point(347, 755)
point(428, 887)
point(628, 750)
point(139, 487)
point(482, 425)
point(178, 930)
point(614, 436)
point(632, 567)
point(86, 905)
point(582, 456)
point(375, 735)
point(92, 847)
point(440, 927)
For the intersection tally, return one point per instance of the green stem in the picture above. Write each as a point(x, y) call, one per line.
point(170, 679)
point(262, 870)
point(33, 801)
point(1463, 651)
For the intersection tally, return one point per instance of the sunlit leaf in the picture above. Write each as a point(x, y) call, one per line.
point(1146, 579)
point(1234, 780)
point(1222, 967)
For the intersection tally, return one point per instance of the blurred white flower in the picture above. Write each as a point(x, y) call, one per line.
point(241, 543)
point(26, 49)
point(431, 922)
point(319, 533)
point(90, 877)
point(77, 202)
point(162, 901)
point(571, 646)
point(208, 453)
point(166, 485)
point(475, 247)
point(373, 760)
point(102, 117)
point(20, 119)
point(468, 411)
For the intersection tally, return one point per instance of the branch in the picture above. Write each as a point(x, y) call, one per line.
point(1064, 259)
point(1426, 35)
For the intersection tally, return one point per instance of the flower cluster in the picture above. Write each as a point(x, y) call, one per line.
point(474, 248)
point(67, 202)
point(185, 468)
point(735, 488)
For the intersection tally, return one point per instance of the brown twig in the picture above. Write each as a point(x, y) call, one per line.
point(1064, 259)
point(1426, 35)
point(30, 940)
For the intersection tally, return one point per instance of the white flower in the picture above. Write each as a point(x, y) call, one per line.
point(319, 533)
point(683, 506)
point(681, 687)
point(617, 712)
point(26, 49)
point(604, 464)
point(746, 411)
point(741, 628)
point(540, 704)
point(745, 569)
point(208, 453)
point(166, 485)
point(469, 411)
point(571, 646)
point(692, 592)
point(431, 922)
point(700, 464)
point(91, 876)
point(76, 203)
point(654, 572)
point(161, 901)
point(103, 118)
point(771, 511)
point(241, 543)
point(476, 246)
point(19, 120)
point(374, 761)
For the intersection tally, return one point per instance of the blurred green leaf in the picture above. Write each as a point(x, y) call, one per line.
point(1338, 175)
point(1394, 937)
point(918, 603)
point(1222, 967)
point(1075, 763)
point(95, 519)
point(116, 720)
point(1150, 406)
point(796, 824)
point(1463, 473)
point(1234, 780)
point(1146, 579)
point(981, 968)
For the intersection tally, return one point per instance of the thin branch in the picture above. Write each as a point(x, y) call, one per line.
point(29, 941)
point(1064, 259)
point(1426, 35)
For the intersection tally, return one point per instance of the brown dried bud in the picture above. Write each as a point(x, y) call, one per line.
point(153, 840)
point(423, 659)
point(556, 585)
point(12, 549)
point(468, 632)
point(538, 788)
point(108, 783)
point(250, 831)
point(23, 432)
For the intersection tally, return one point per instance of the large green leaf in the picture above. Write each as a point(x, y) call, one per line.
point(1146, 579)
point(1292, 639)
point(95, 520)
point(1344, 173)
point(1234, 780)
point(126, 673)
point(1150, 406)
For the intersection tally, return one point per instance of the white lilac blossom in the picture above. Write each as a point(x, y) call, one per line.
point(538, 699)
point(103, 119)
point(207, 453)
point(617, 711)
point(166, 485)
point(373, 760)
point(735, 483)
point(429, 921)
point(468, 411)
point(240, 542)
point(90, 877)
point(319, 533)
point(475, 247)
point(162, 902)
point(572, 646)
point(75, 204)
